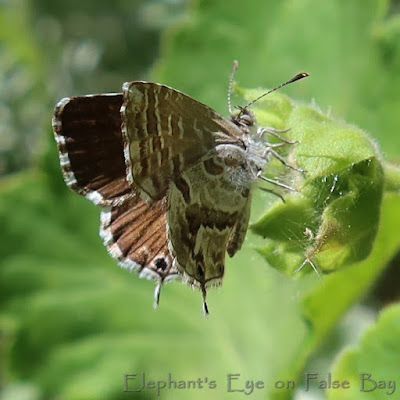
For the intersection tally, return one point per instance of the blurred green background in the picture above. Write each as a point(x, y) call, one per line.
point(71, 322)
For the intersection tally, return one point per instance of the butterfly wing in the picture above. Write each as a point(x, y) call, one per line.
point(87, 130)
point(89, 139)
point(166, 132)
point(135, 234)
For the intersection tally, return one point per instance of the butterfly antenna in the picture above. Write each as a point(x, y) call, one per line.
point(234, 68)
point(294, 79)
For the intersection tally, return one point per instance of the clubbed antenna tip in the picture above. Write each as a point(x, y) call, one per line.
point(301, 75)
point(298, 76)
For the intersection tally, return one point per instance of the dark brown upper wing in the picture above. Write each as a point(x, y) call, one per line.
point(88, 135)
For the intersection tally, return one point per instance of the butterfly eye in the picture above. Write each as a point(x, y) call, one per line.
point(247, 119)
point(199, 272)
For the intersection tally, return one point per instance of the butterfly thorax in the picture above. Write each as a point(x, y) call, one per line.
point(255, 147)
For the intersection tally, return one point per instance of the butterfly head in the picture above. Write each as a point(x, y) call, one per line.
point(244, 119)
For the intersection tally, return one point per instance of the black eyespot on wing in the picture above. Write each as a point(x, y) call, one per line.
point(161, 263)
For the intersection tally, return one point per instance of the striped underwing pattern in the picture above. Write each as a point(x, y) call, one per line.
point(174, 178)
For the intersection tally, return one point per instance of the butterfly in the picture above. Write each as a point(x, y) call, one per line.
point(173, 177)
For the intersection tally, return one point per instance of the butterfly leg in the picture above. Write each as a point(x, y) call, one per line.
point(274, 193)
point(275, 132)
point(277, 183)
point(270, 150)
point(276, 144)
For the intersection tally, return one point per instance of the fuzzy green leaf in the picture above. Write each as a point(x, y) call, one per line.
point(372, 367)
point(333, 220)
point(72, 322)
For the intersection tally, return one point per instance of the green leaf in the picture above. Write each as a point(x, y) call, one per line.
point(73, 323)
point(371, 367)
point(322, 306)
point(333, 220)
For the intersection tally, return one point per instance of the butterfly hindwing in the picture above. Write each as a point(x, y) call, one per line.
point(135, 234)
point(205, 215)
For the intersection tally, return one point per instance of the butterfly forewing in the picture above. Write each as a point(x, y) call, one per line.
point(88, 135)
point(165, 133)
